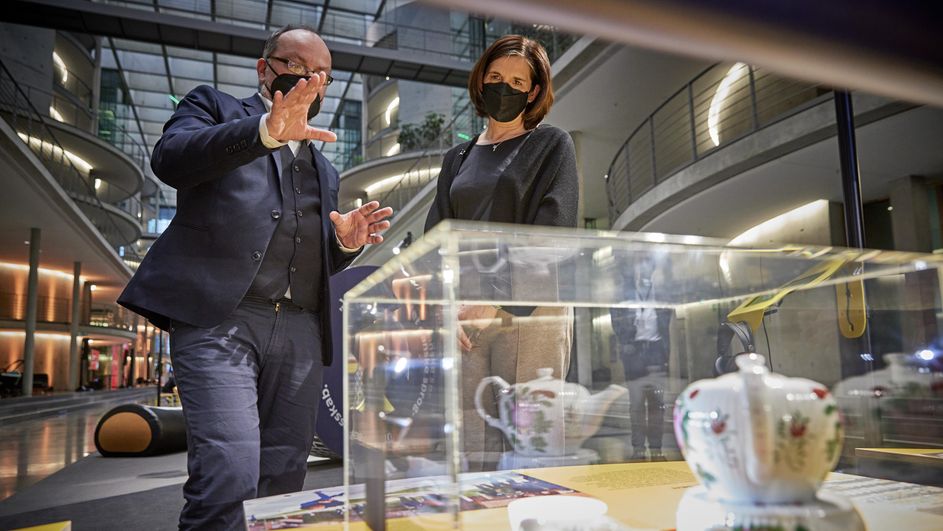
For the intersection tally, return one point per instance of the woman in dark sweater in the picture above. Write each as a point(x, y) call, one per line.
point(518, 170)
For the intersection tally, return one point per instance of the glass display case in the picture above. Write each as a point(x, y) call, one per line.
point(481, 352)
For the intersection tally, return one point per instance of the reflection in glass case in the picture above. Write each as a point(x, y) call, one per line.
point(482, 352)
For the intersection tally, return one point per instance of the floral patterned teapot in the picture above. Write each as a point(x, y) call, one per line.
point(758, 437)
point(546, 416)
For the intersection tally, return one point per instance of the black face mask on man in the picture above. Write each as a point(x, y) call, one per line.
point(502, 102)
point(285, 82)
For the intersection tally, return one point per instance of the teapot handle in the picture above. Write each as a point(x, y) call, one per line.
point(759, 429)
point(478, 406)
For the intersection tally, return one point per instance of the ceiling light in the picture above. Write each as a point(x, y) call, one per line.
point(42, 270)
point(57, 152)
point(400, 365)
point(98, 183)
point(55, 114)
point(393, 179)
point(60, 66)
point(389, 110)
point(38, 335)
point(771, 227)
point(713, 113)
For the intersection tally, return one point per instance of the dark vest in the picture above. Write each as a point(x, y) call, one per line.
point(293, 257)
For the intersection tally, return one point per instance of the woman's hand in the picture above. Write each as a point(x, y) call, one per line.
point(476, 318)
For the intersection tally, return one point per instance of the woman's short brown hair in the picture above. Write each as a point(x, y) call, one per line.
point(536, 57)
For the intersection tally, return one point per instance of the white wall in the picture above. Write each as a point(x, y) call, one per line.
point(609, 96)
point(27, 53)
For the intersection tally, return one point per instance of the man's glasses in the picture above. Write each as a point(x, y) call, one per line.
point(300, 69)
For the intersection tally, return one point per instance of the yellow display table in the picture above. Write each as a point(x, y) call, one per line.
point(640, 495)
point(57, 526)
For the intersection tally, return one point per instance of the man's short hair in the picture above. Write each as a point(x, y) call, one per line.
point(271, 43)
point(536, 57)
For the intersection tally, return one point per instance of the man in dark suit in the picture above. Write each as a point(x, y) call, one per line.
point(240, 277)
point(643, 342)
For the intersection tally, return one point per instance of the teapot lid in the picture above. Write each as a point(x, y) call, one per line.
point(545, 373)
point(751, 363)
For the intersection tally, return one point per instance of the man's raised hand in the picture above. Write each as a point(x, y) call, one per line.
point(288, 119)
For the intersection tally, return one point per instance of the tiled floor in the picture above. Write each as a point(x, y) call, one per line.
point(34, 449)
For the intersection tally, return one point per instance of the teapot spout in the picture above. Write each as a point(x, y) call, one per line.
point(597, 405)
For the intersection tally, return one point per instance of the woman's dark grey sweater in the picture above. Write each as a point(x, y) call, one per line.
point(540, 186)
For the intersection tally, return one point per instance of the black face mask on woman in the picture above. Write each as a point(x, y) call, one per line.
point(285, 82)
point(502, 102)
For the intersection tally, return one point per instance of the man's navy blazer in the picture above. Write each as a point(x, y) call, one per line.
point(228, 205)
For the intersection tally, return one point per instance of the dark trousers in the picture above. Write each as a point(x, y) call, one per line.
point(645, 363)
point(249, 388)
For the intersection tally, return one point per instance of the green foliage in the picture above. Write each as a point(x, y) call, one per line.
point(418, 136)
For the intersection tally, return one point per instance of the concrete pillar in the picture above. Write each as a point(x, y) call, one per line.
point(910, 217)
point(32, 299)
point(86, 350)
point(86, 303)
point(122, 363)
point(74, 361)
point(134, 348)
point(910, 220)
point(152, 352)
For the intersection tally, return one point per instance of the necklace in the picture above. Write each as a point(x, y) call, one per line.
point(494, 147)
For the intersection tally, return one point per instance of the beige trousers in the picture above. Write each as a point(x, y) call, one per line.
point(512, 348)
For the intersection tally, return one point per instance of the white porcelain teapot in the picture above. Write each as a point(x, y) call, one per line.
point(758, 437)
point(546, 416)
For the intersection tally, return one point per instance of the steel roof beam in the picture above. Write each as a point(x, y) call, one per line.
point(172, 30)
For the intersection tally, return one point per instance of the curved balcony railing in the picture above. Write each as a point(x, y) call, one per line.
point(111, 316)
point(66, 168)
point(427, 163)
point(73, 83)
point(111, 131)
point(58, 310)
point(720, 106)
point(48, 309)
point(379, 125)
point(66, 112)
point(555, 42)
point(82, 116)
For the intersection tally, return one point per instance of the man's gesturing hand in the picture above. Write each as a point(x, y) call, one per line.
point(288, 119)
point(361, 225)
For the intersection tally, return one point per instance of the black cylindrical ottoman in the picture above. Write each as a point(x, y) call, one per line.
point(132, 430)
